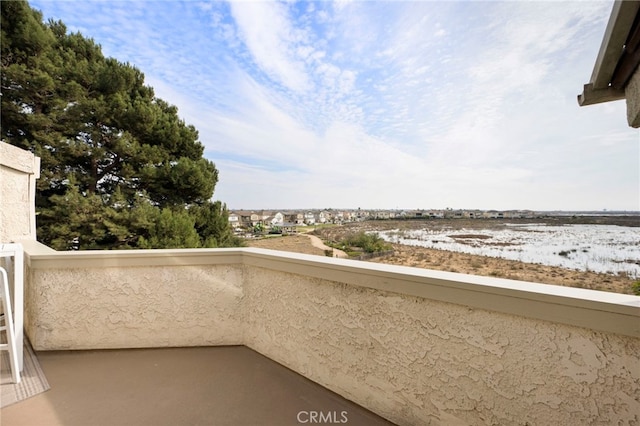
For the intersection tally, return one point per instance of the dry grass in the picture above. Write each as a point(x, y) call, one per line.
point(442, 260)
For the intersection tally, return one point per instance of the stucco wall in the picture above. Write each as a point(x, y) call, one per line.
point(130, 307)
point(415, 346)
point(419, 361)
point(19, 170)
point(632, 93)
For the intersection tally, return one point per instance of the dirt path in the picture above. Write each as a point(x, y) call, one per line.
point(300, 243)
point(317, 242)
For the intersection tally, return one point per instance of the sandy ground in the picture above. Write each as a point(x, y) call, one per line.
point(421, 257)
point(317, 242)
point(300, 243)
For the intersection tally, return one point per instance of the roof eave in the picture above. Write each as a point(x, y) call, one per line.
point(591, 96)
point(620, 22)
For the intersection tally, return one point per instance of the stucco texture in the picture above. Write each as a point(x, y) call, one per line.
point(632, 93)
point(419, 361)
point(15, 222)
point(129, 307)
point(18, 171)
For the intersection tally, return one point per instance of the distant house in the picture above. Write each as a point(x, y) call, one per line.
point(325, 216)
point(294, 217)
point(247, 219)
point(234, 220)
point(360, 215)
point(347, 216)
point(309, 218)
point(491, 214)
point(616, 73)
point(381, 214)
point(322, 217)
point(472, 214)
point(264, 217)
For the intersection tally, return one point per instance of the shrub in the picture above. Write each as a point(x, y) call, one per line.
point(369, 243)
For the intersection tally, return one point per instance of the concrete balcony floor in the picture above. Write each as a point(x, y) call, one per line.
point(229, 385)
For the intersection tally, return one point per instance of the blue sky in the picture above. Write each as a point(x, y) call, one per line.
point(372, 104)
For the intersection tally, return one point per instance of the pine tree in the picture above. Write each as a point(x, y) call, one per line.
point(119, 167)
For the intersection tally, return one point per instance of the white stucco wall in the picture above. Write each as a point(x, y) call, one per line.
point(19, 170)
point(415, 346)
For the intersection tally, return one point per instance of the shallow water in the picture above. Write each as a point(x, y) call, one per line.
point(599, 248)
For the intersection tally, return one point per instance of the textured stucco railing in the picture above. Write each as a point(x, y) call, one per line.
point(134, 298)
point(415, 346)
point(19, 170)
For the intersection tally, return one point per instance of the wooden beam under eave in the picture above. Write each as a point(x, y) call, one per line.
point(591, 96)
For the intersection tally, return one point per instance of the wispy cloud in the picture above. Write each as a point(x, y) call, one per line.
point(276, 46)
point(383, 104)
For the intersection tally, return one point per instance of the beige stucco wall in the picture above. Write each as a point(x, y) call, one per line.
point(419, 361)
point(632, 94)
point(103, 307)
point(19, 170)
point(415, 346)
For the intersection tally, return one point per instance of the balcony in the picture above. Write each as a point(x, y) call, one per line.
point(229, 385)
point(412, 346)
